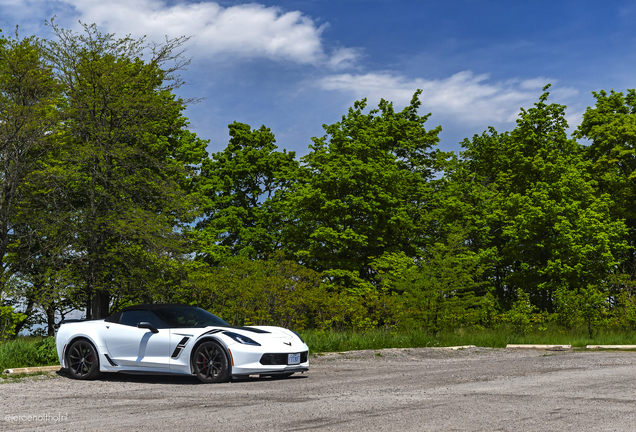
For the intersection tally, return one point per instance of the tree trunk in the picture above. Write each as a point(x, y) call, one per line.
point(101, 303)
point(28, 311)
point(50, 320)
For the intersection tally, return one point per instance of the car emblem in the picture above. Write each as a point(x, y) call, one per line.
point(287, 343)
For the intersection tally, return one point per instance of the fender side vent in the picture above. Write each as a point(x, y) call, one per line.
point(112, 363)
point(180, 346)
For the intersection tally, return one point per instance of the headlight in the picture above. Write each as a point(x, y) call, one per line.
point(301, 339)
point(241, 339)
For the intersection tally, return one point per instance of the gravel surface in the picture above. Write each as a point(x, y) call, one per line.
point(394, 389)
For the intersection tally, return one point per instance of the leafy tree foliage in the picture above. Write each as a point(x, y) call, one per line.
point(241, 183)
point(127, 163)
point(28, 96)
point(256, 292)
point(106, 199)
point(362, 191)
point(553, 227)
point(442, 291)
point(9, 320)
point(521, 313)
point(610, 126)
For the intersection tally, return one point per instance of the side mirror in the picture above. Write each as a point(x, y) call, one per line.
point(147, 325)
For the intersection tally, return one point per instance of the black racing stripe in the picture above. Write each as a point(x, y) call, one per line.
point(250, 329)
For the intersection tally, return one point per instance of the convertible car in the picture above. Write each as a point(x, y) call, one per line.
point(177, 339)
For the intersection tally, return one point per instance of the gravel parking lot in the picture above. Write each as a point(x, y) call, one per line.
point(406, 389)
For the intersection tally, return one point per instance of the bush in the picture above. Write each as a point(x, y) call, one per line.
point(8, 321)
point(520, 316)
point(47, 351)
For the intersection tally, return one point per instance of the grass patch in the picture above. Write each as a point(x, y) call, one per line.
point(28, 352)
point(333, 341)
point(38, 351)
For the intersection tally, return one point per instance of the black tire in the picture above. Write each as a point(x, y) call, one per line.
point(210, 363)
point(82, 360)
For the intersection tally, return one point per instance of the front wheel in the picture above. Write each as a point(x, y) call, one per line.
point(82, 360)
point(211, 364)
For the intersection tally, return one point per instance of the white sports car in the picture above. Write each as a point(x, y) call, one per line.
point(177, 339)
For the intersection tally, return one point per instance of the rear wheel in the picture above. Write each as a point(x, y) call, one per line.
point(211, 364)
point(82, 360)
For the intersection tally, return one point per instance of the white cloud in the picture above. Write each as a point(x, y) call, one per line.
point(343, 58)
point(246, 31)
point(534, 83)
point(472, 98)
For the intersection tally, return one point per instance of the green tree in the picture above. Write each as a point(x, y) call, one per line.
point(521, 313)
point(553, 227)
point(28, 98)
point(362, 191)
point(583, 305)
point(256, 292)
point(443, 291)
point(610, 127)
point(240, 184)
point(624, 310)
point(29, 95)
point(127, 164)
point(9, 319)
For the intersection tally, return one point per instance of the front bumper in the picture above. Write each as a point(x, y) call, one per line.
point(242, 372)
point(249, 361)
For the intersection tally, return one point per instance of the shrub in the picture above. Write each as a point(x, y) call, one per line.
point(8, 321)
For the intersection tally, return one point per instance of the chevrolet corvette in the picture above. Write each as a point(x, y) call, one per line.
point(177, 339)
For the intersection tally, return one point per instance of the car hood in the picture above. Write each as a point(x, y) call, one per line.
point(257, 333)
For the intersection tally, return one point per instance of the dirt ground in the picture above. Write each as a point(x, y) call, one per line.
point(399, 390)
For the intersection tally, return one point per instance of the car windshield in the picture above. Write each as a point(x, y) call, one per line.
point(177, 317)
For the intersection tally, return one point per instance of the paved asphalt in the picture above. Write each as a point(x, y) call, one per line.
point(476, 389)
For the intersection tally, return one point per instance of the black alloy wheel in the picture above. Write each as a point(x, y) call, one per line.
point(211, 364)
point(82, 360)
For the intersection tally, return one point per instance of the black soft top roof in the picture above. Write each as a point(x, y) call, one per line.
point(114, 318)
point(154, 306)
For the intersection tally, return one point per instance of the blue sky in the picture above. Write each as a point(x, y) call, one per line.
point(294, 65)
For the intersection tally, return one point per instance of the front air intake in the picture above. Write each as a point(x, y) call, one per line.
point(270, 359)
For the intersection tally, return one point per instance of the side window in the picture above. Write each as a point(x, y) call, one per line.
point(134, 317)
